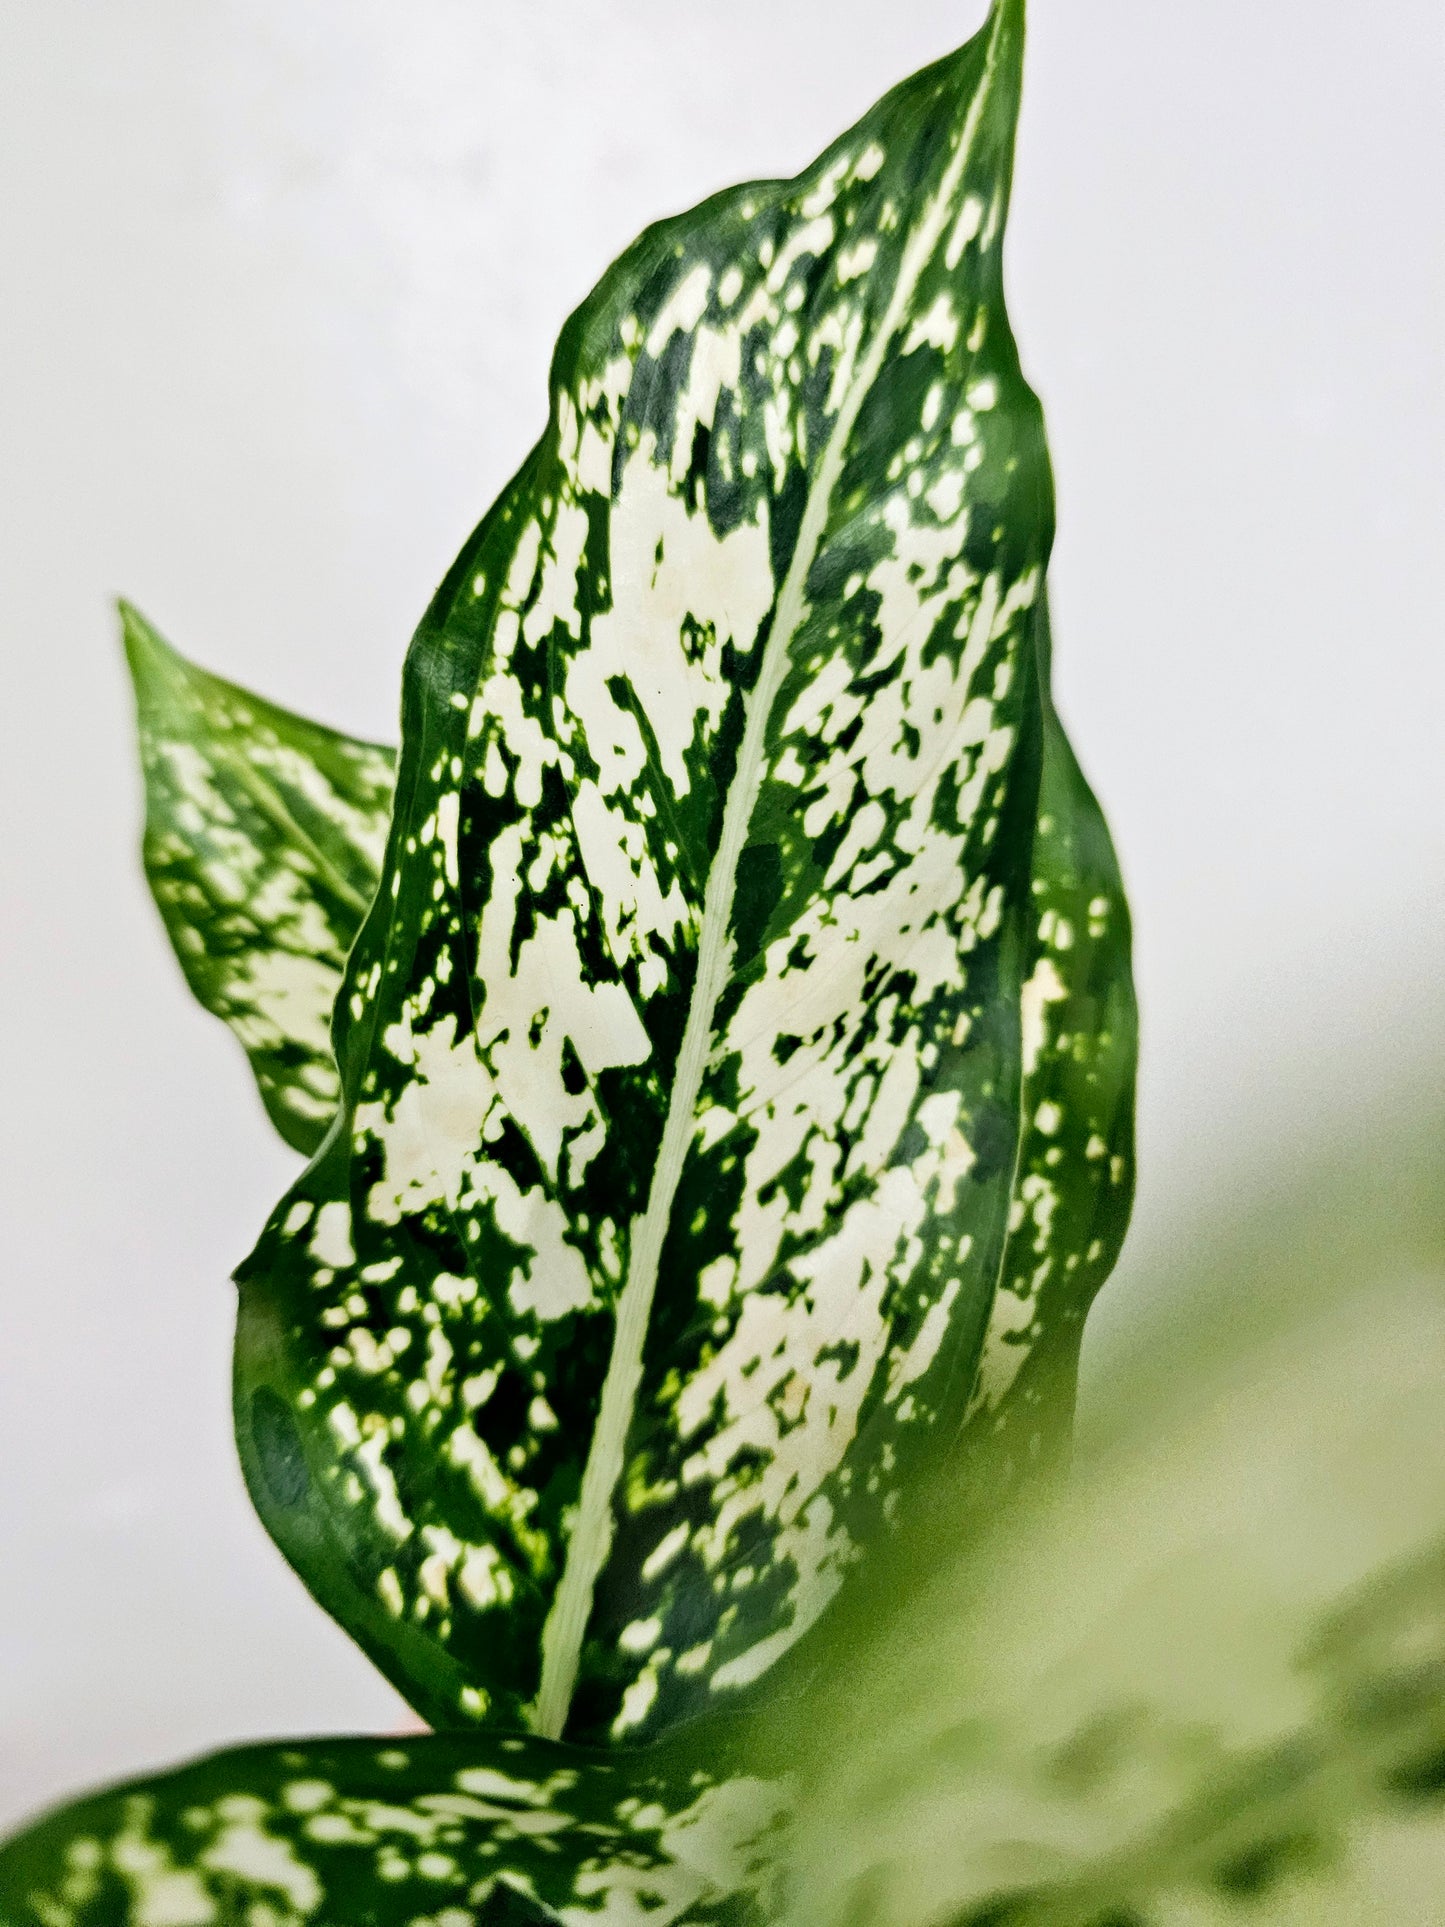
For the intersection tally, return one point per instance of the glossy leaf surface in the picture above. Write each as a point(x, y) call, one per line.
point(681, 1052)
point(263, 842)
point(401, 1833)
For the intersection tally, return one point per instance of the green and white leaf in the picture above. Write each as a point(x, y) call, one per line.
point(1075, 1184)
point(1207, 1689)
point(681, 1051)
point(263, 843)
point(403, 1833)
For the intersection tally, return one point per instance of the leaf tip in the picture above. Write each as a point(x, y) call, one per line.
point(154, 665)
point(138, 638)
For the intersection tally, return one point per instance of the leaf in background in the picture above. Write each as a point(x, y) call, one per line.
point(1207, 1687)
point(681, 1050)
point(264, 836)
point(1075, 1182)
point(401, 1833)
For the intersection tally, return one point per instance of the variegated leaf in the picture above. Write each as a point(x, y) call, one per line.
point(263, 843)
point(403, 1833)
point(1075, 1183)
point(1205, 1691)
point(681, 1050)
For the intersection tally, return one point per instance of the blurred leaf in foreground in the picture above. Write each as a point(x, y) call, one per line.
point(1208, 1685)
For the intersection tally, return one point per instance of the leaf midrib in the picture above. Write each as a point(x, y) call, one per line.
point(590, 1541)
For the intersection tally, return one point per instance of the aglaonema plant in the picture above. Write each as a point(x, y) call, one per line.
point(713, 1042)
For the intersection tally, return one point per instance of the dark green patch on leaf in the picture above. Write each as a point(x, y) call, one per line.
point(278, 1448)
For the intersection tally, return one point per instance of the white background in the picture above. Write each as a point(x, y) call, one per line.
point(278, 285)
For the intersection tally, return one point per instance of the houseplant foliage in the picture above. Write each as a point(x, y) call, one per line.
point(1205, 1685)
point(726, 1114)
point(680, 1050)
point(680, 1053)
point(713, 1039)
